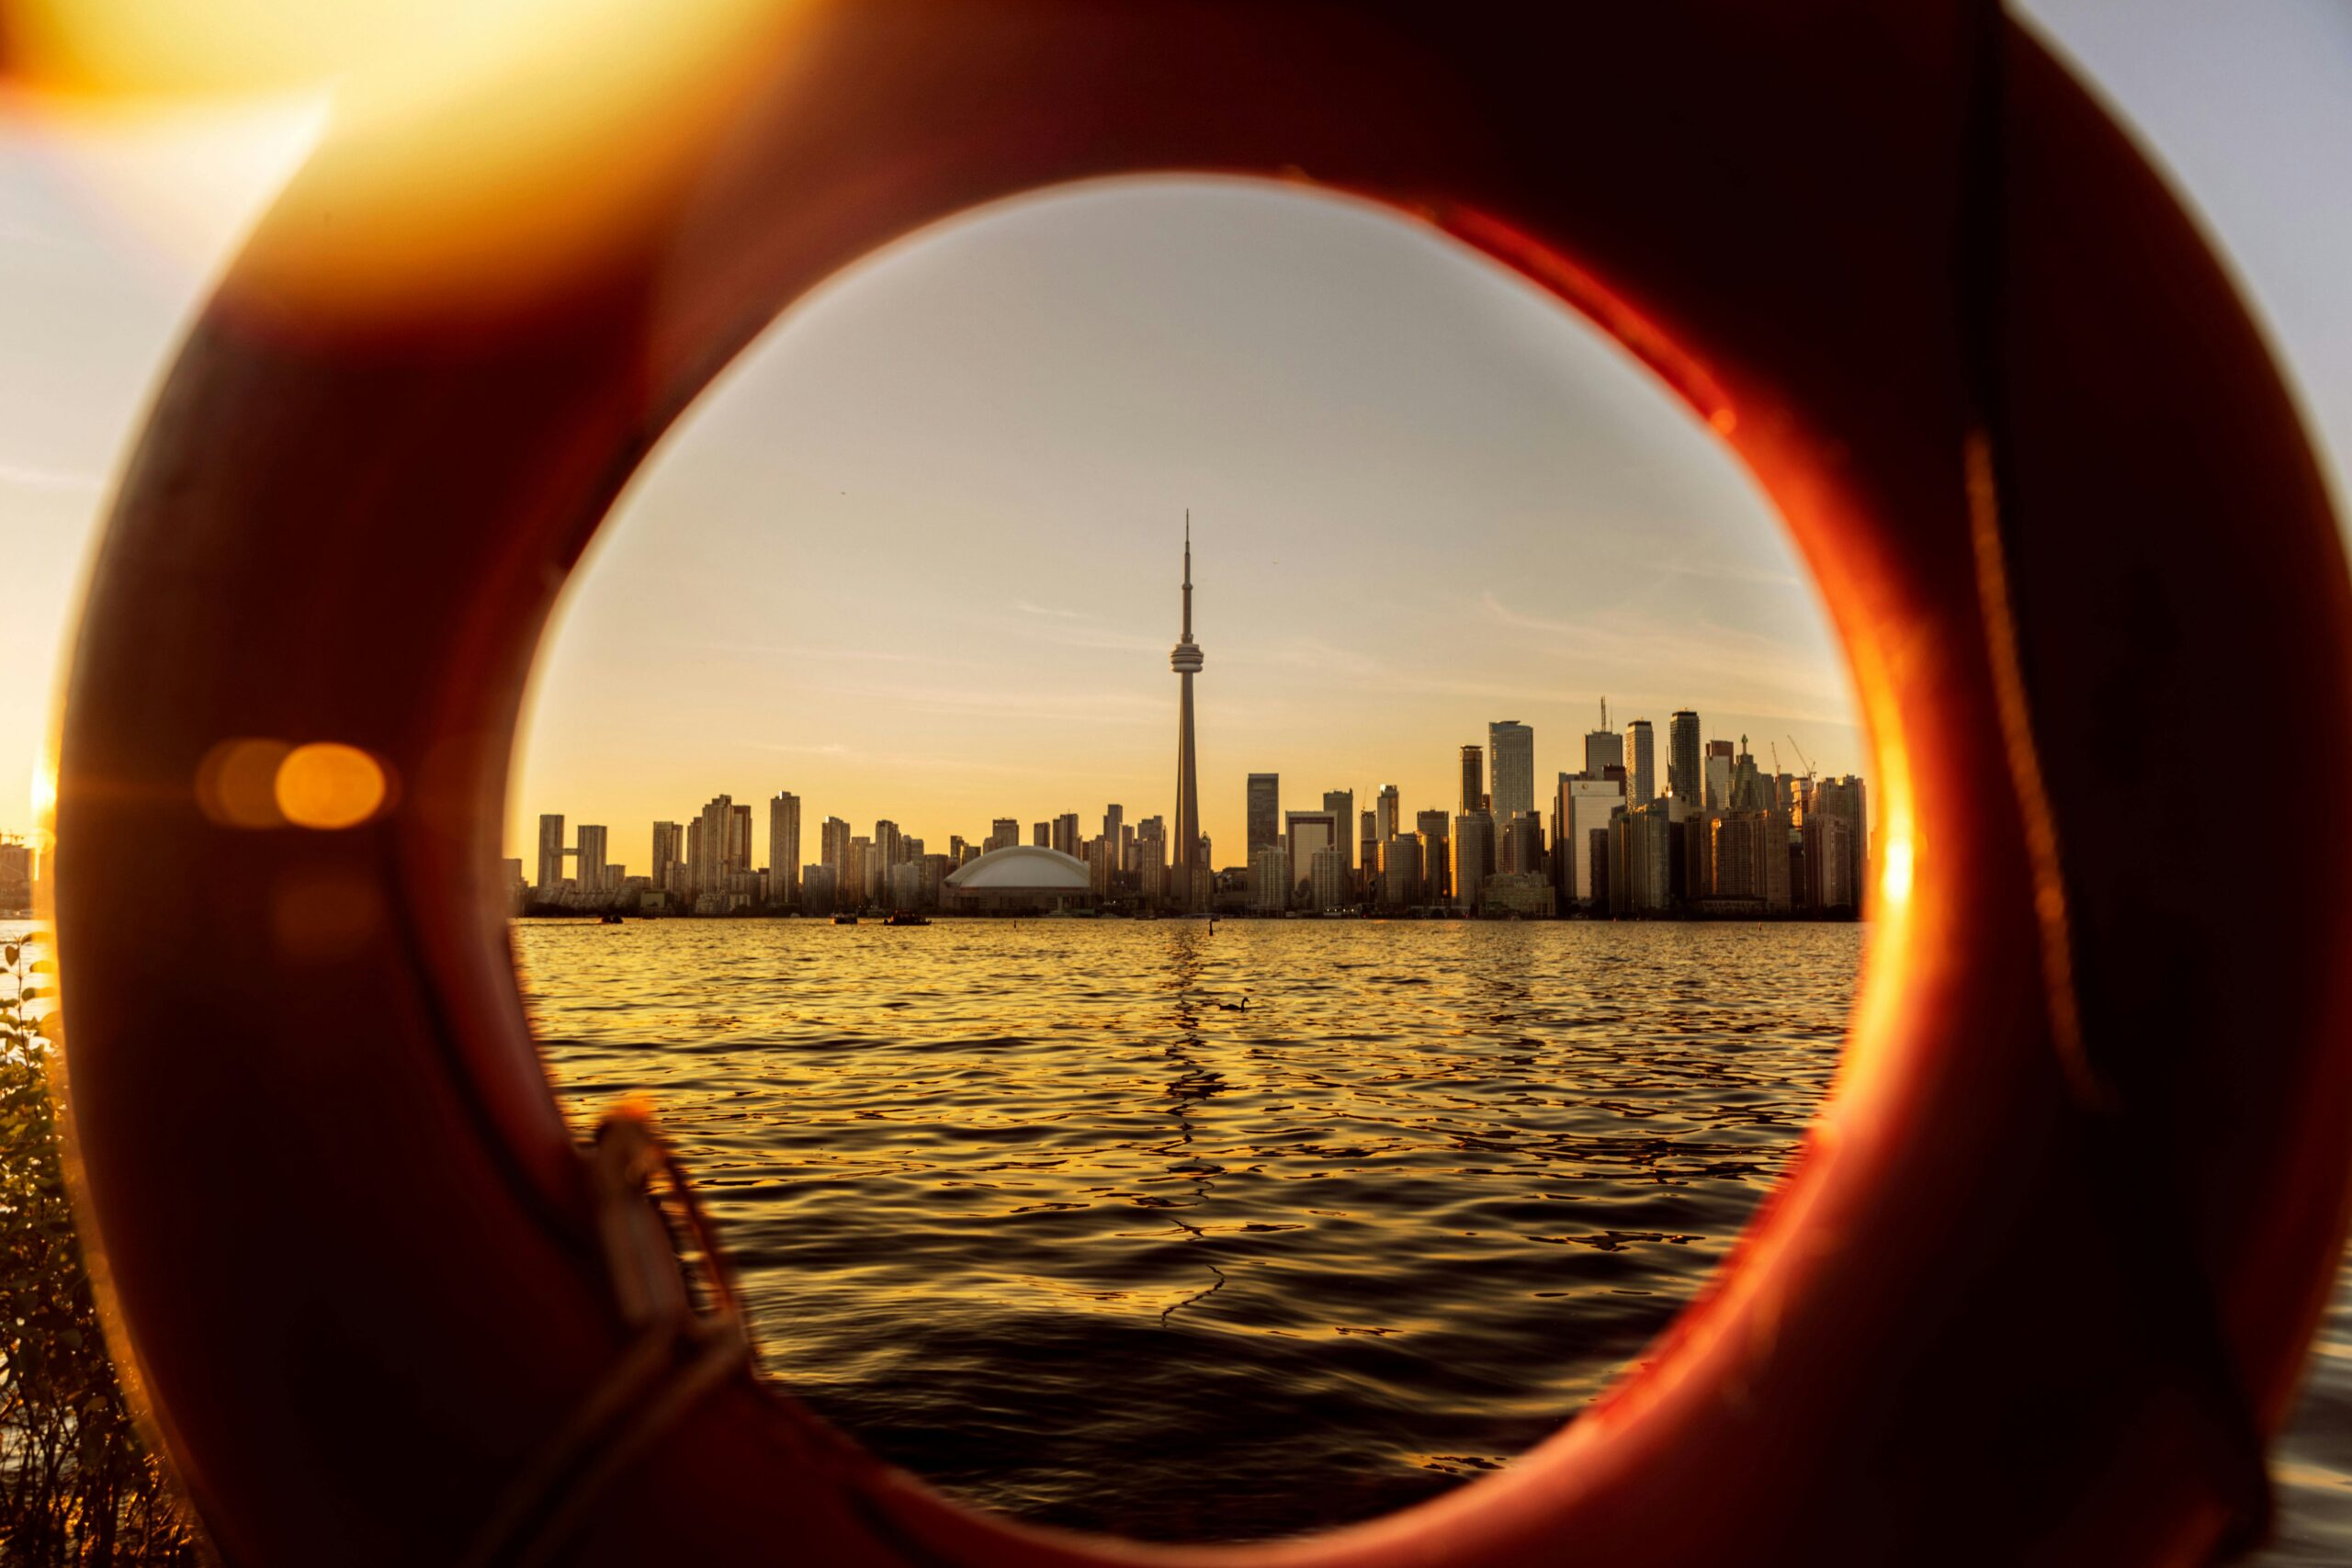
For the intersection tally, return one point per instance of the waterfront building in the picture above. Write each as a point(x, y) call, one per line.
point(817, 889)
point(1041, 835)
point(832, 850)
point(588, 869)
point(1474, 856)
point(1715, 787)
point(1582, 808)
point(850, 892)
point(906, 886)
point(1270, 889)
point(1004, 833)
point(1400, 872)
point(1114, 823)
point(1698, 856)
point(1846, 799)
point(1833, 885)
point(1305, 833)
point(1474, 781)
point(1368, 841)
point(1604, 747)
point(1748, 790)
point(1331, 875)
point(1435, 830)
point(1264, 812)
point(1641, 763)
point(784, 848)
point(552, 853)
point(1066, 834)
point(887, 846)
point(1342, 805)
point(1598, 844)
point(1510, 745)
point(1151, 849)
point(707, 858)
point(17, 868)
point(1520, 851)
point(1151, 872)
point(1735, 860)
point(739, 838)
point(1386, 813)
point(1186, 658)
point(1640, 859)
point(1437, 864)
point(1022, 879)
point(669, 849)
point(1685, 777)
point(1525, 894)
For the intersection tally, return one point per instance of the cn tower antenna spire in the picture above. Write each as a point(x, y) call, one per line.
point(1189, 574)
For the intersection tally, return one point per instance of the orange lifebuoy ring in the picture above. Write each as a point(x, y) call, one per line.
point(2013, 412)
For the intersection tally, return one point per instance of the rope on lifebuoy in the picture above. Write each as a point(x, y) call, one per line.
point(682, 1350)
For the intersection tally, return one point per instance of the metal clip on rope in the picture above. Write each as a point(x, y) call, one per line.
point(683, 1349)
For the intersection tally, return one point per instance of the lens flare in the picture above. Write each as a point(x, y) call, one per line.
point(44, 794)
point(328, 785)
point(481, 151)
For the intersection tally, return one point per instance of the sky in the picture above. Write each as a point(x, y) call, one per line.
point(915, 556)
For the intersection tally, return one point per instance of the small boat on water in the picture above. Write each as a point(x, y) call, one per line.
point(906, 917)
point(844, 920)
point(610, 919)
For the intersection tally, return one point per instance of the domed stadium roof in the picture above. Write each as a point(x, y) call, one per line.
point(1022, 867)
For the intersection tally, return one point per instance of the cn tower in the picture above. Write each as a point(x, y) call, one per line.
point(1186, 661)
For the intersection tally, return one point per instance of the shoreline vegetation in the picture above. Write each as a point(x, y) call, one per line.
point(78, 1488)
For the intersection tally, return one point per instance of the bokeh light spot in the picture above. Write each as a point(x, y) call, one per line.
point(236, 784)
point(326, 785)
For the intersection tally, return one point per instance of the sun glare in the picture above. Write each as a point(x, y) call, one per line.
point(44, 794)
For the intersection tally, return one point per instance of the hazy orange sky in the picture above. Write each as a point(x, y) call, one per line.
point(916, 556)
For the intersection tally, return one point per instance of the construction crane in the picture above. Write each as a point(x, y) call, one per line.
point(1801, 760)
point(1776, 757)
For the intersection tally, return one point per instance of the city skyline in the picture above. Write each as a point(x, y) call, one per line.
point(716, 847)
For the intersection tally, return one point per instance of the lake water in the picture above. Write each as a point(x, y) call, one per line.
point(1191, 1234)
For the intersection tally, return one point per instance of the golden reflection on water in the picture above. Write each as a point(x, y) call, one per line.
point(1187, 1233)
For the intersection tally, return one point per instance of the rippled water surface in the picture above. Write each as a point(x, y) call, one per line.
point(1185, 1232)
point(1205, 1234)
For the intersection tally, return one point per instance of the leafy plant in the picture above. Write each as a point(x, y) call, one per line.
point(76, 1486)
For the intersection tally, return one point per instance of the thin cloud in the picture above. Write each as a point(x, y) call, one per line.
point(50, 480)
point(1717, 666)
point(1090, 707)
point(827, 655)
point(1734, 571)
